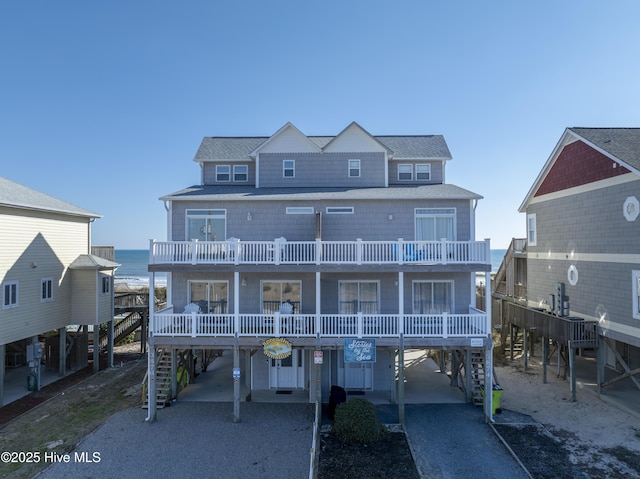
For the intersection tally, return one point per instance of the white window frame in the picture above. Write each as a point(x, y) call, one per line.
point(451, 283)
point(208, 216)
point(220, 174)
point(354, 166)
point(238, 174)
point(408, 167)
point(339, 210)
point(286, 167)
point(281, 300)
point(46, 290)
point(300, 210)
point(635, 288)
point(106, 284)
point(427, 172)
point(10, 294)
point(428, 213)
point(532, 230)
point(359, 283)
point(208, 283)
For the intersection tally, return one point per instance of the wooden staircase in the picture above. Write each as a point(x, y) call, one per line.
point(163, 381)
point(122, 329)
point(477, 376)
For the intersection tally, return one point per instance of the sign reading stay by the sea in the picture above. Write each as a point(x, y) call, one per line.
point(359, 350)
point(277, 348)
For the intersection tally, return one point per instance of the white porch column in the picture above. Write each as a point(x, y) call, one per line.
point(318, 367)
point(236, 350)
point(401, 347)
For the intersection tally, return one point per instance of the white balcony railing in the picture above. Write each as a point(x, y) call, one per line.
point(280, 251)
point(444, 325)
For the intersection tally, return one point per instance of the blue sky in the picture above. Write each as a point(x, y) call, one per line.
point(104, 103)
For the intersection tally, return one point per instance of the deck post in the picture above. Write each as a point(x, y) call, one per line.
point(600, 362)
point(174, 373)
point(525, 347)
point(62, 357)
point(401, 414)
point(3, 350)
point(545, 352)
point(151, 358)
point(96, 348)
point(571, 352)
point(236, 351)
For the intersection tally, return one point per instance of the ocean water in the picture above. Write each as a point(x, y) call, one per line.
point(133, 268)
point(134, 264)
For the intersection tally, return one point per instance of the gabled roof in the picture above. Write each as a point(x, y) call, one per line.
point(620, 145)
point(15, 195)
point(352, 131)
point(302, 142)
point(249, 193)
point(397, 146)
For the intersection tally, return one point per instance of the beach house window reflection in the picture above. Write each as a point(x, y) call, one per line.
point(288, 168)
point(223, 173)
point(434, 224)
point(432, 297)
point(359, 297)
point(423, 172)
point(405, 172)
point(206, 225)
point(240, 173)
point(211, 297)
point(275, 293)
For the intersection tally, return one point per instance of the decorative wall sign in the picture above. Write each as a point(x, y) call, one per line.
point(359, 350)
point(277, 348)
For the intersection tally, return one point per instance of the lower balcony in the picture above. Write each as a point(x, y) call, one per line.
point(196, 325)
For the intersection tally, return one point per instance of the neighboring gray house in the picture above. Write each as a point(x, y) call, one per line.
point(583, 244)
point(49, 278)
point(292, 247)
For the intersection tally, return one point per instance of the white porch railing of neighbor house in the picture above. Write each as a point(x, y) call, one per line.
point(281, 251)
point(445, 325)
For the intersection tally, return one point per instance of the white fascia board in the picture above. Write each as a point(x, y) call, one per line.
point(313, 147)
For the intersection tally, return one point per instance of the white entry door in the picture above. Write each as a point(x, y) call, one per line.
point(284, 372)
point(358, 376)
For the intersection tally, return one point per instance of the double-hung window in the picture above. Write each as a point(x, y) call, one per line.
point(240, 173)
point(359, 297)
point(423, 172)
point(223, 173)
point(10, 294)
point(405, 172)
point(435, 224)
point(106, 284)
point(354, 168)
point(289, 168)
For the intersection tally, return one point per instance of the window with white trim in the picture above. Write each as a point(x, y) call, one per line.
point(435, 224)
point(223, 173)
point(106, 284)
point(300, 210)
point(275, 293)
point(359, 297)
point(635, 285)
point(423, 172)
point(46, 289)
point(212, 297)
point(354, 168)
point(240, 173)
point(339, 210)
point(289, 168)
point(532, 232)
point(10, 294)
point(432, 297)
point(405, 172)
point(206, 225)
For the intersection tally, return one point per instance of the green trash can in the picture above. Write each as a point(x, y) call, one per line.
point(496, 394)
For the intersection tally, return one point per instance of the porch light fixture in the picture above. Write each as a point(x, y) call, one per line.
point(390, 217)
point(249, 217)
point(244, 282)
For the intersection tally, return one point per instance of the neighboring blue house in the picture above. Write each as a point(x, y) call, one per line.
point(293, 246)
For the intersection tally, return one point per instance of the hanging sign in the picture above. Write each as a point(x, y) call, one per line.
point(277, 348)
point(359, 350)
point(317, 357)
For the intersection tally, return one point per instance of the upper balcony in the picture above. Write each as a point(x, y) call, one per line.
point(319, 252)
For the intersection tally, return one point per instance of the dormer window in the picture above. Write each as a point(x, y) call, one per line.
point(354, 168)
point(289, 168)
point(423, 172)
point(240, 173)
point(223, 173)
point(405, 172)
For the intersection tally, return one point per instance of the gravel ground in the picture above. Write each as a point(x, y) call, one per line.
point(197, 440)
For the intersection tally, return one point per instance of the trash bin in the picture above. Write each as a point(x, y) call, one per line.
point(496, 394)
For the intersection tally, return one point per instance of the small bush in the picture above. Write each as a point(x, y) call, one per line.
point(356, 421)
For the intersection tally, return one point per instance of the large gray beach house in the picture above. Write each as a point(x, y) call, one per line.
point(317, 260)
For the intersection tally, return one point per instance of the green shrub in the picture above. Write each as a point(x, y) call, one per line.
point(356, 421)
